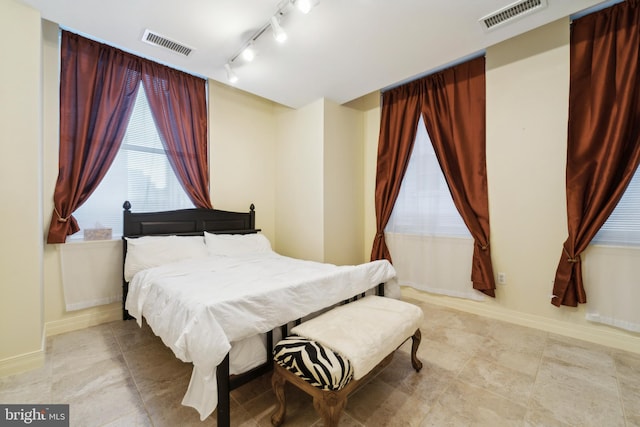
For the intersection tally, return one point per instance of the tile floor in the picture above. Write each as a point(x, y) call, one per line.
point(477, 372)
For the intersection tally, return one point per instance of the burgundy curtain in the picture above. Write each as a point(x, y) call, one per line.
point(398, 125)
point(603, 147)
point(454, 114)
point(179, 107)
point(98, 86)
point(452, 103)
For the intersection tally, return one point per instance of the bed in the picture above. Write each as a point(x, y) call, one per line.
point(209, 285)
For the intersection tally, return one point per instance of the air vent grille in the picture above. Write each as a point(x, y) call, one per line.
point(158, 40)
point(511, 12)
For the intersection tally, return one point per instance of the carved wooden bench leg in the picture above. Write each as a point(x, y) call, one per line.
point(277, 382)
point(329, 405)
point(415, 343)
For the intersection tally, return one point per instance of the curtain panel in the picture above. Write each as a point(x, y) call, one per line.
point(452, 104)
point(98, 88)
point(398, 127)
point(603, 146)
point(454, 113)
point(179, 108)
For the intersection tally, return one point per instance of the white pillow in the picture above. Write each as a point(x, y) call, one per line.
point(236, 244)
point(153, 251)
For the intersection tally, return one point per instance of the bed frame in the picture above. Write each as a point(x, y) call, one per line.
point(193, 222)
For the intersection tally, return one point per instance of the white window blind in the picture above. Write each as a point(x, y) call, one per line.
point(425, 206)
point(140, 173)
point(622, 228)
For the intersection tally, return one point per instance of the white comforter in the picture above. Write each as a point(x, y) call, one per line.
point(199, 307)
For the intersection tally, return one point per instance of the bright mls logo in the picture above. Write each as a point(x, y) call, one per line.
point(34, 415)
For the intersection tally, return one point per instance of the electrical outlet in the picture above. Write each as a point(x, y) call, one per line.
point(502, 278)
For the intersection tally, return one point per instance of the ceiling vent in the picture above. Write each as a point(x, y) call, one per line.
point(158, 40)
point(511, 12)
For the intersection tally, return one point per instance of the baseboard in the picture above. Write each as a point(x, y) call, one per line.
point(108, 314)
point(22, 363)
point(34, 360)
point(598, 334)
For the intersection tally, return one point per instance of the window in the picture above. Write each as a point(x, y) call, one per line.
point(623, 226)
point(424, 205)
point(140, 173)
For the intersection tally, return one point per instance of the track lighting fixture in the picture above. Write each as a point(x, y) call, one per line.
point(231, 76)
point(278, 32)
point(247, 53)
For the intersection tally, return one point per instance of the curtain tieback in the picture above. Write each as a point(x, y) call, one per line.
point(570, 259)
point(379, 235)
point(60, 218)
point(483, 247)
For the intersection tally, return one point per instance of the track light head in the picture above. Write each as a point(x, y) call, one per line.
point(278, 32)
point(304, 6)
point(248, 53)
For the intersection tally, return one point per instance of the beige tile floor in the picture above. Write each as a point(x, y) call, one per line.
point(477, 372)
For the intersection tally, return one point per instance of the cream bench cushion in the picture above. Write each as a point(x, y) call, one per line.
point(364, 331)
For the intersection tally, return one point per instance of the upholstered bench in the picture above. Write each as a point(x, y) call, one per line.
point(330, 356)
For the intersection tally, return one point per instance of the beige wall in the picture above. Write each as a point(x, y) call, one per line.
point(526, 162)
point(299, 181)
point(242, 154)
point(20, 189)
point(319, 182)
point(343, 184)
point(370, 105)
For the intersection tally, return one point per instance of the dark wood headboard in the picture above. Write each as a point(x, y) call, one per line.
point(187, 222)
point(182, 222)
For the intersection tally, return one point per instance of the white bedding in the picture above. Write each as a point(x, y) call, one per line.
point(198, 307)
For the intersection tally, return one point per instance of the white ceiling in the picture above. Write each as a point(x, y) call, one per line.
point(341, 50)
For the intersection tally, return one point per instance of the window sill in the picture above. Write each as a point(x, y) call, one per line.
point(93, 242)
